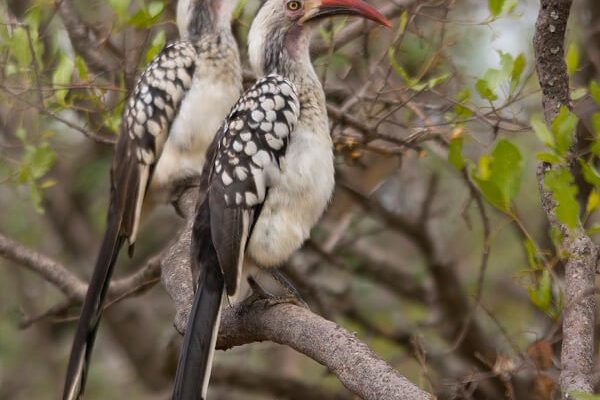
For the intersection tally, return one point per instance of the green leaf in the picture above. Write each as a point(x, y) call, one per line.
point(593, 230)
point(455, 153)
point(403, 22)
point(146, 17)
point(462, 98)
point(484, 167)
point(157, 44)
point(578, 93)
point(326, 34)
point(584, 396)
point(40, 159)
point(495, 7)
point(113, 122)
point(499, 175)
point(563, 128)
point(81, 68)
point(120, 8)
point(541, 130)
point(239, 9)
point(593, 202)
point(401, 72)
point(541, 296)
point(436, 80)
point(596, 148)
point(155, 8)
point(36, 197)
point(24, 174)
point(572, 58)
point(517, 71)
point(62, 77)
point(596, 123)
point(590, 174)
point(509, 6)
point(48, 183)
point(399, 69)
point(21, 134)
point(506, 63)
point(484, 90)
point(548, 157)
point(19, 47)
point(33, 18)
point(532, 258)
point(595, 91)
point(493, 77)
point(564, 192)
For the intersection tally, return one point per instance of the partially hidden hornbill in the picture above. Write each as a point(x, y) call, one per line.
point(269, 173)
point(169, 121)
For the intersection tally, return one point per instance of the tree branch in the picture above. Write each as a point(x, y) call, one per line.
point(355, 365)
point(577, 353)
point(85, 42)
point(50, 270)
point(67, 282)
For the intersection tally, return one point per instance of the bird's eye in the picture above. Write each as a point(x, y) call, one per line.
point(293, 5)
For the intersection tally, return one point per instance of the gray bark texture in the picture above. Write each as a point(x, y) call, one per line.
point(577, 353)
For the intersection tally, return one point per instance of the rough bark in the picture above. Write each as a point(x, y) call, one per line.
point(85, 42)
point(577, 356)
point(355, 365)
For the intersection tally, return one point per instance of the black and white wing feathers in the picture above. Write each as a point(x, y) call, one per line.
point(147, 119)
point(249, 149)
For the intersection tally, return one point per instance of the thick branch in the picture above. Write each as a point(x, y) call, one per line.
point(356, 366)
point(85, 42)
point(50, 270)
point(577, 354)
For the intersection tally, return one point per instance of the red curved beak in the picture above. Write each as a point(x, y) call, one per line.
point(327, 8)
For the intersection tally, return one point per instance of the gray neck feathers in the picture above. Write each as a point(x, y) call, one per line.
point(201, 22)
point(289, 56)
point(285, 51)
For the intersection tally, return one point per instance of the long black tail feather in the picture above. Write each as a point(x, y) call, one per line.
point(195, 358)
point(92, 310)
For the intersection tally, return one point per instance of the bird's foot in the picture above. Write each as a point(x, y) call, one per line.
point(178, 189)
point(270, 300)
point(289, 287)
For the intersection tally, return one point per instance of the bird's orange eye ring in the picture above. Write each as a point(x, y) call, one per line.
point(293, 5)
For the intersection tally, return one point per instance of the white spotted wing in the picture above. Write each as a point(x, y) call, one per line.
point(147, 118)
point(249, 149)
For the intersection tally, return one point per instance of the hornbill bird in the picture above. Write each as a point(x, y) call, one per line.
point(269, 173)
point(169, 121)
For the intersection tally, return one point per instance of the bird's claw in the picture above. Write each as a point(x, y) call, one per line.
point(178, 188)
point(289, 287)
point(270, 300)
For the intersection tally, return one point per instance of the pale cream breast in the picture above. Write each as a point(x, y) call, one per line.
point(297, 201)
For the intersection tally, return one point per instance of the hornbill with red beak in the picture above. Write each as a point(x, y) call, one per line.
point(269, 173)
point(169, 122)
